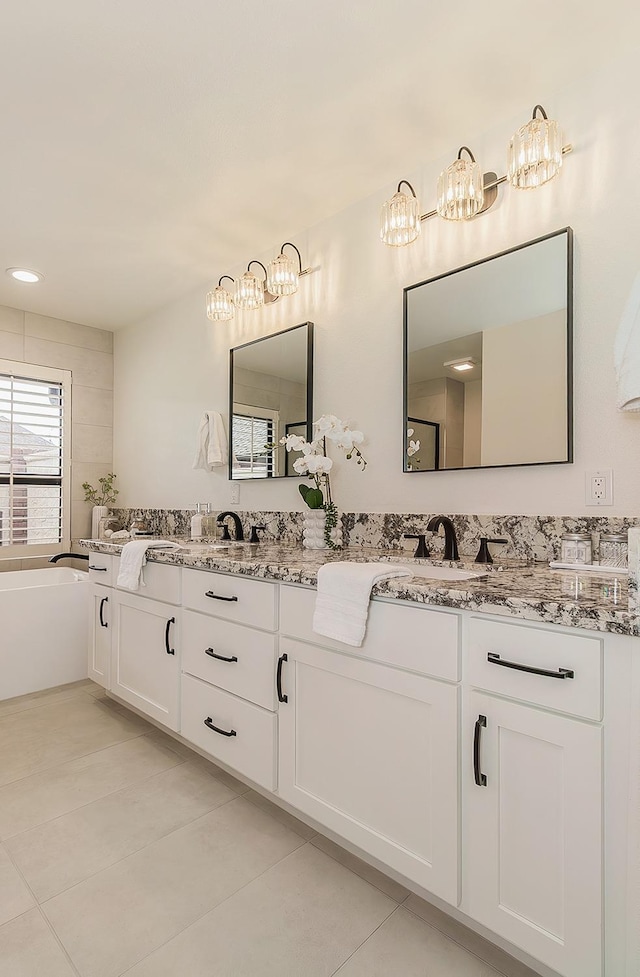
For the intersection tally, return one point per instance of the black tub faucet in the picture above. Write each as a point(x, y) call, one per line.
point(450, 541)
point(237, 524)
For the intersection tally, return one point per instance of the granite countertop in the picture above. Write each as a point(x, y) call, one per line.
point(532, 592)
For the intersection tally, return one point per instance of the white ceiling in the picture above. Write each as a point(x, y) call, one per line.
point(147, 146)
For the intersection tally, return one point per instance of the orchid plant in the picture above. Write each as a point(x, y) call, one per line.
point(413, 447)
point(316, 463)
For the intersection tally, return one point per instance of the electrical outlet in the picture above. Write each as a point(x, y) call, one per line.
point(599, 487)
point(235, 494)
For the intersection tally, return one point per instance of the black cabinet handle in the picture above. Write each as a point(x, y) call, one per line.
point(169, 649)
point(221, 658)
point(105, 600)
point(281, 697)
point(211, 594)
point(99, 569)
point(223, 732)
point(480, 778)
point(494, 659)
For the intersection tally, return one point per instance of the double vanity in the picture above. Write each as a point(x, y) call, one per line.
point(476, 746)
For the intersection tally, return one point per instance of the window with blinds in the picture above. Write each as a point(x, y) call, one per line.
point(251, 459)
point(32, 456)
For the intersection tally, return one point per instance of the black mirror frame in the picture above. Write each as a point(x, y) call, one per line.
point(309, 398)
point(569, 460)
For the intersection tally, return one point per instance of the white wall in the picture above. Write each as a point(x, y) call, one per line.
point(174, 365)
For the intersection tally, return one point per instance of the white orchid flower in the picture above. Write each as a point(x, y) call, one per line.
point(328, 426)
point(318, 464)
point(414, 446)
point(300, 466)
point(409, 432)
point(295, 442)
point(349, 439)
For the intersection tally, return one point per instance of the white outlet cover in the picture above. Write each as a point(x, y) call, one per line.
point(599, 487)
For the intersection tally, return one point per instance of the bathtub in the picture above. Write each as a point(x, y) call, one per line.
point(43, 629)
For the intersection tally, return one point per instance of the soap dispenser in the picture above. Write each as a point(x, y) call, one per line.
point(209, 523)
point(196, 522)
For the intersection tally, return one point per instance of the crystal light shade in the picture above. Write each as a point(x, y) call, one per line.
point(219, 304)
point(400, 218)
point(460, 189)
point(282, 276)
point(535, 152)
point(249, 292)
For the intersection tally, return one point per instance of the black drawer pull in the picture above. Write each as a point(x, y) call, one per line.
point(223, 732)
point(169, 649)
point(211, 594)
point(480, 778)
point(281, 696)
point(221, 658)
point(103, 624)
point(99, 569)
point(494, 659)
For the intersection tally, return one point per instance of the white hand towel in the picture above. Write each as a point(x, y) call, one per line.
point(342, 604)
point(212, 448)
point(134, 557)
point(626, 353)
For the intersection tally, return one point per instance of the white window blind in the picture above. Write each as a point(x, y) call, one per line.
point(250, 434)
point(32, 456)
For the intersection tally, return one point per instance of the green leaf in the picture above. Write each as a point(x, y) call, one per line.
point(314, 498)
point(303, 490)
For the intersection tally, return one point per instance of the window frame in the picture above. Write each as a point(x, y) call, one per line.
point(30, 371)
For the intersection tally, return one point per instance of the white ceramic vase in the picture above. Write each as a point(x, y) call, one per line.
point(97, 514)
point(313, 531)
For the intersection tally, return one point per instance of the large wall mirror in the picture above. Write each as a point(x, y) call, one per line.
point(488, 362)
point(270, 395)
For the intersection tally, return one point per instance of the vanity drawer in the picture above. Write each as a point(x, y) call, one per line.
point(246, 664)
point(231, 596)
point(398, 633)
point(251, 750)
point(555, 653)
point(101, 568)
point(161, 582)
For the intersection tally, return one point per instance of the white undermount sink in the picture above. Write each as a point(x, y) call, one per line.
point(443, 573)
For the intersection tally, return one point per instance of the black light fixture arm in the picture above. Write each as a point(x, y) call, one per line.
point(465, 149)
point(407, 184)
point(289, 244)
point(254, 261)
point(222, 278)
point(539, 108)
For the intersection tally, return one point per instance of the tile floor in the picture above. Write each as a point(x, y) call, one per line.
point(122, 852)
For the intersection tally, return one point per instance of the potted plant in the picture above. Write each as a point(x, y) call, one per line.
point(100, 499)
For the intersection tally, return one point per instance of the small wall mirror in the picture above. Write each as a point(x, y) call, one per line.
point(488, 362)
point(270, 395)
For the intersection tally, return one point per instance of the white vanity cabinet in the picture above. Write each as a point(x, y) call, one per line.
point(100, 630)
point(371, 750)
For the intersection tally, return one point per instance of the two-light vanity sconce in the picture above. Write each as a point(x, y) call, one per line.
point(250, 292)
point(534, 157)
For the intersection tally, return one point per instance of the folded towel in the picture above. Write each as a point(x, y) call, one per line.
point(342, 604)
point(626, 353)
point(134, 557)
point(212, 449)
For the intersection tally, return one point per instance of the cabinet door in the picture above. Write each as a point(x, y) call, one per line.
point(145, 657)
point(372, 753)
point(533, 831)
point(100, 615)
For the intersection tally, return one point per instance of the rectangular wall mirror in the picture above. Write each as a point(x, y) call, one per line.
point(488, 361)
point(270, 395)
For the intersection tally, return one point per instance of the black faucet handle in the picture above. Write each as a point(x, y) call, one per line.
point(253, 538)
point(225, 532)
point(421, 553)
point(484, 556)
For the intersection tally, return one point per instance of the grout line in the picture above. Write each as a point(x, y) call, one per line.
point(386, 919)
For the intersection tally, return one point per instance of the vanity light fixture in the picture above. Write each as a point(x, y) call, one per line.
point(25, 275)
point(462, 364)
point(282, 277)
point(282, 273)
point(463, 192)
point(220, 302)
point(249, 293)
point(460, 189)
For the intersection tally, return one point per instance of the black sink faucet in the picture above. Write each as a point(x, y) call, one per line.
point(450, 541)
point(236, 520)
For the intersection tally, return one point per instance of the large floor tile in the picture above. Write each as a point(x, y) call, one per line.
point(116, 918)
point(43, 796)
point(57, 855)
point(29, 949)
point(15, 898)
point(188, 753)
point(361, 868)
point(34, 700)
point(406, 946)
point(305, 917)
point(281, 815)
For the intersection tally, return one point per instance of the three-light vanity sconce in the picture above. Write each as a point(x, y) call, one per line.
point(534, 157)
point(281, 277)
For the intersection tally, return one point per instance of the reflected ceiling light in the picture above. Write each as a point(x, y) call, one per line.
point(400, 218)
point(462, 364)
point(460, 192)
point(535, 152)
point(283, 272)
point(220, 302)
point(25, 275)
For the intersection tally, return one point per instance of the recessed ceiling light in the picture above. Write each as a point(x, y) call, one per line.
point(465, 363)
point(25, 275)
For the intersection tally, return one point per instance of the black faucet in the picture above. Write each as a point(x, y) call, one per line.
point(450, 541)
point(421, 553)
point(68, 556)
point(237, 524)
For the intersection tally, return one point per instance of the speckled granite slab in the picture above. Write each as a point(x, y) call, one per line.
point(529, 592)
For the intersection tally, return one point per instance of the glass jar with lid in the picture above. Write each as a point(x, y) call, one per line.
point(576, 548)
point(613, 549)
